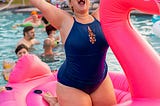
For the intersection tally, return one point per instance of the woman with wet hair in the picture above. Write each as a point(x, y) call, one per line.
point(20, 51)
point(82, 78)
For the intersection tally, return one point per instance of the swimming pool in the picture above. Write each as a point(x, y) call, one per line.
point(10, 36)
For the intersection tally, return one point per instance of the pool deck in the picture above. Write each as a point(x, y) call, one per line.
point(18, 8)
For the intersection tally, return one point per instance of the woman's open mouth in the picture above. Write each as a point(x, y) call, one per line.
point(81, 2)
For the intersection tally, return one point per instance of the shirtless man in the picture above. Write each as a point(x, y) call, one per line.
point(29, 37)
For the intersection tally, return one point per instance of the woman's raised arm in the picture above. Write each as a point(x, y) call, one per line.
point(53, 14)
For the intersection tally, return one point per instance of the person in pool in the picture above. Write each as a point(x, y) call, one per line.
point(29, 37)
point(34, 20)
point(8, 66)
point(48, 54)
point(82, 78)
point(21, 50)
point(51, 32)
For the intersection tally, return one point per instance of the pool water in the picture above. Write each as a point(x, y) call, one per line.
point(9, 38)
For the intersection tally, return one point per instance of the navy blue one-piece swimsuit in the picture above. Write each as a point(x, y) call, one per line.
point(85, 67)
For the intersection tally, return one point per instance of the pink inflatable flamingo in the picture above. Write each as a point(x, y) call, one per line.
point(138, 59)
point(31, 77)
point(28, 73)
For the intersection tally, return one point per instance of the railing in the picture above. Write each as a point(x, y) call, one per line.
point(6, 6)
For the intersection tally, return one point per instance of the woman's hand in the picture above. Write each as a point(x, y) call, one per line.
point(50, 99)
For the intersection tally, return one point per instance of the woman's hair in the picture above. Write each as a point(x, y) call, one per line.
point(50, 28)
point(44, 20)
point(21, 46)
point(68, 2)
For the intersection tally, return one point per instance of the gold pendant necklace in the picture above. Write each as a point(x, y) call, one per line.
point(92, 37)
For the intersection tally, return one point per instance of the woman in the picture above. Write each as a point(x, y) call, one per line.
point(82, 78)
point(51, 32)
point(20, 51)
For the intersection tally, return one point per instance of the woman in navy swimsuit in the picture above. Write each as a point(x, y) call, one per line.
point(82, 78)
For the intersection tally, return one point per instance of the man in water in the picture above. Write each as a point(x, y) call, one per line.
point(47, 55)
point(29, 37)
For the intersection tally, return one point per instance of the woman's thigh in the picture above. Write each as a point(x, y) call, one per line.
point(68, 96)
point(104, 95)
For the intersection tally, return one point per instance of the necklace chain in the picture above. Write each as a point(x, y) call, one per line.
point(84, 18)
